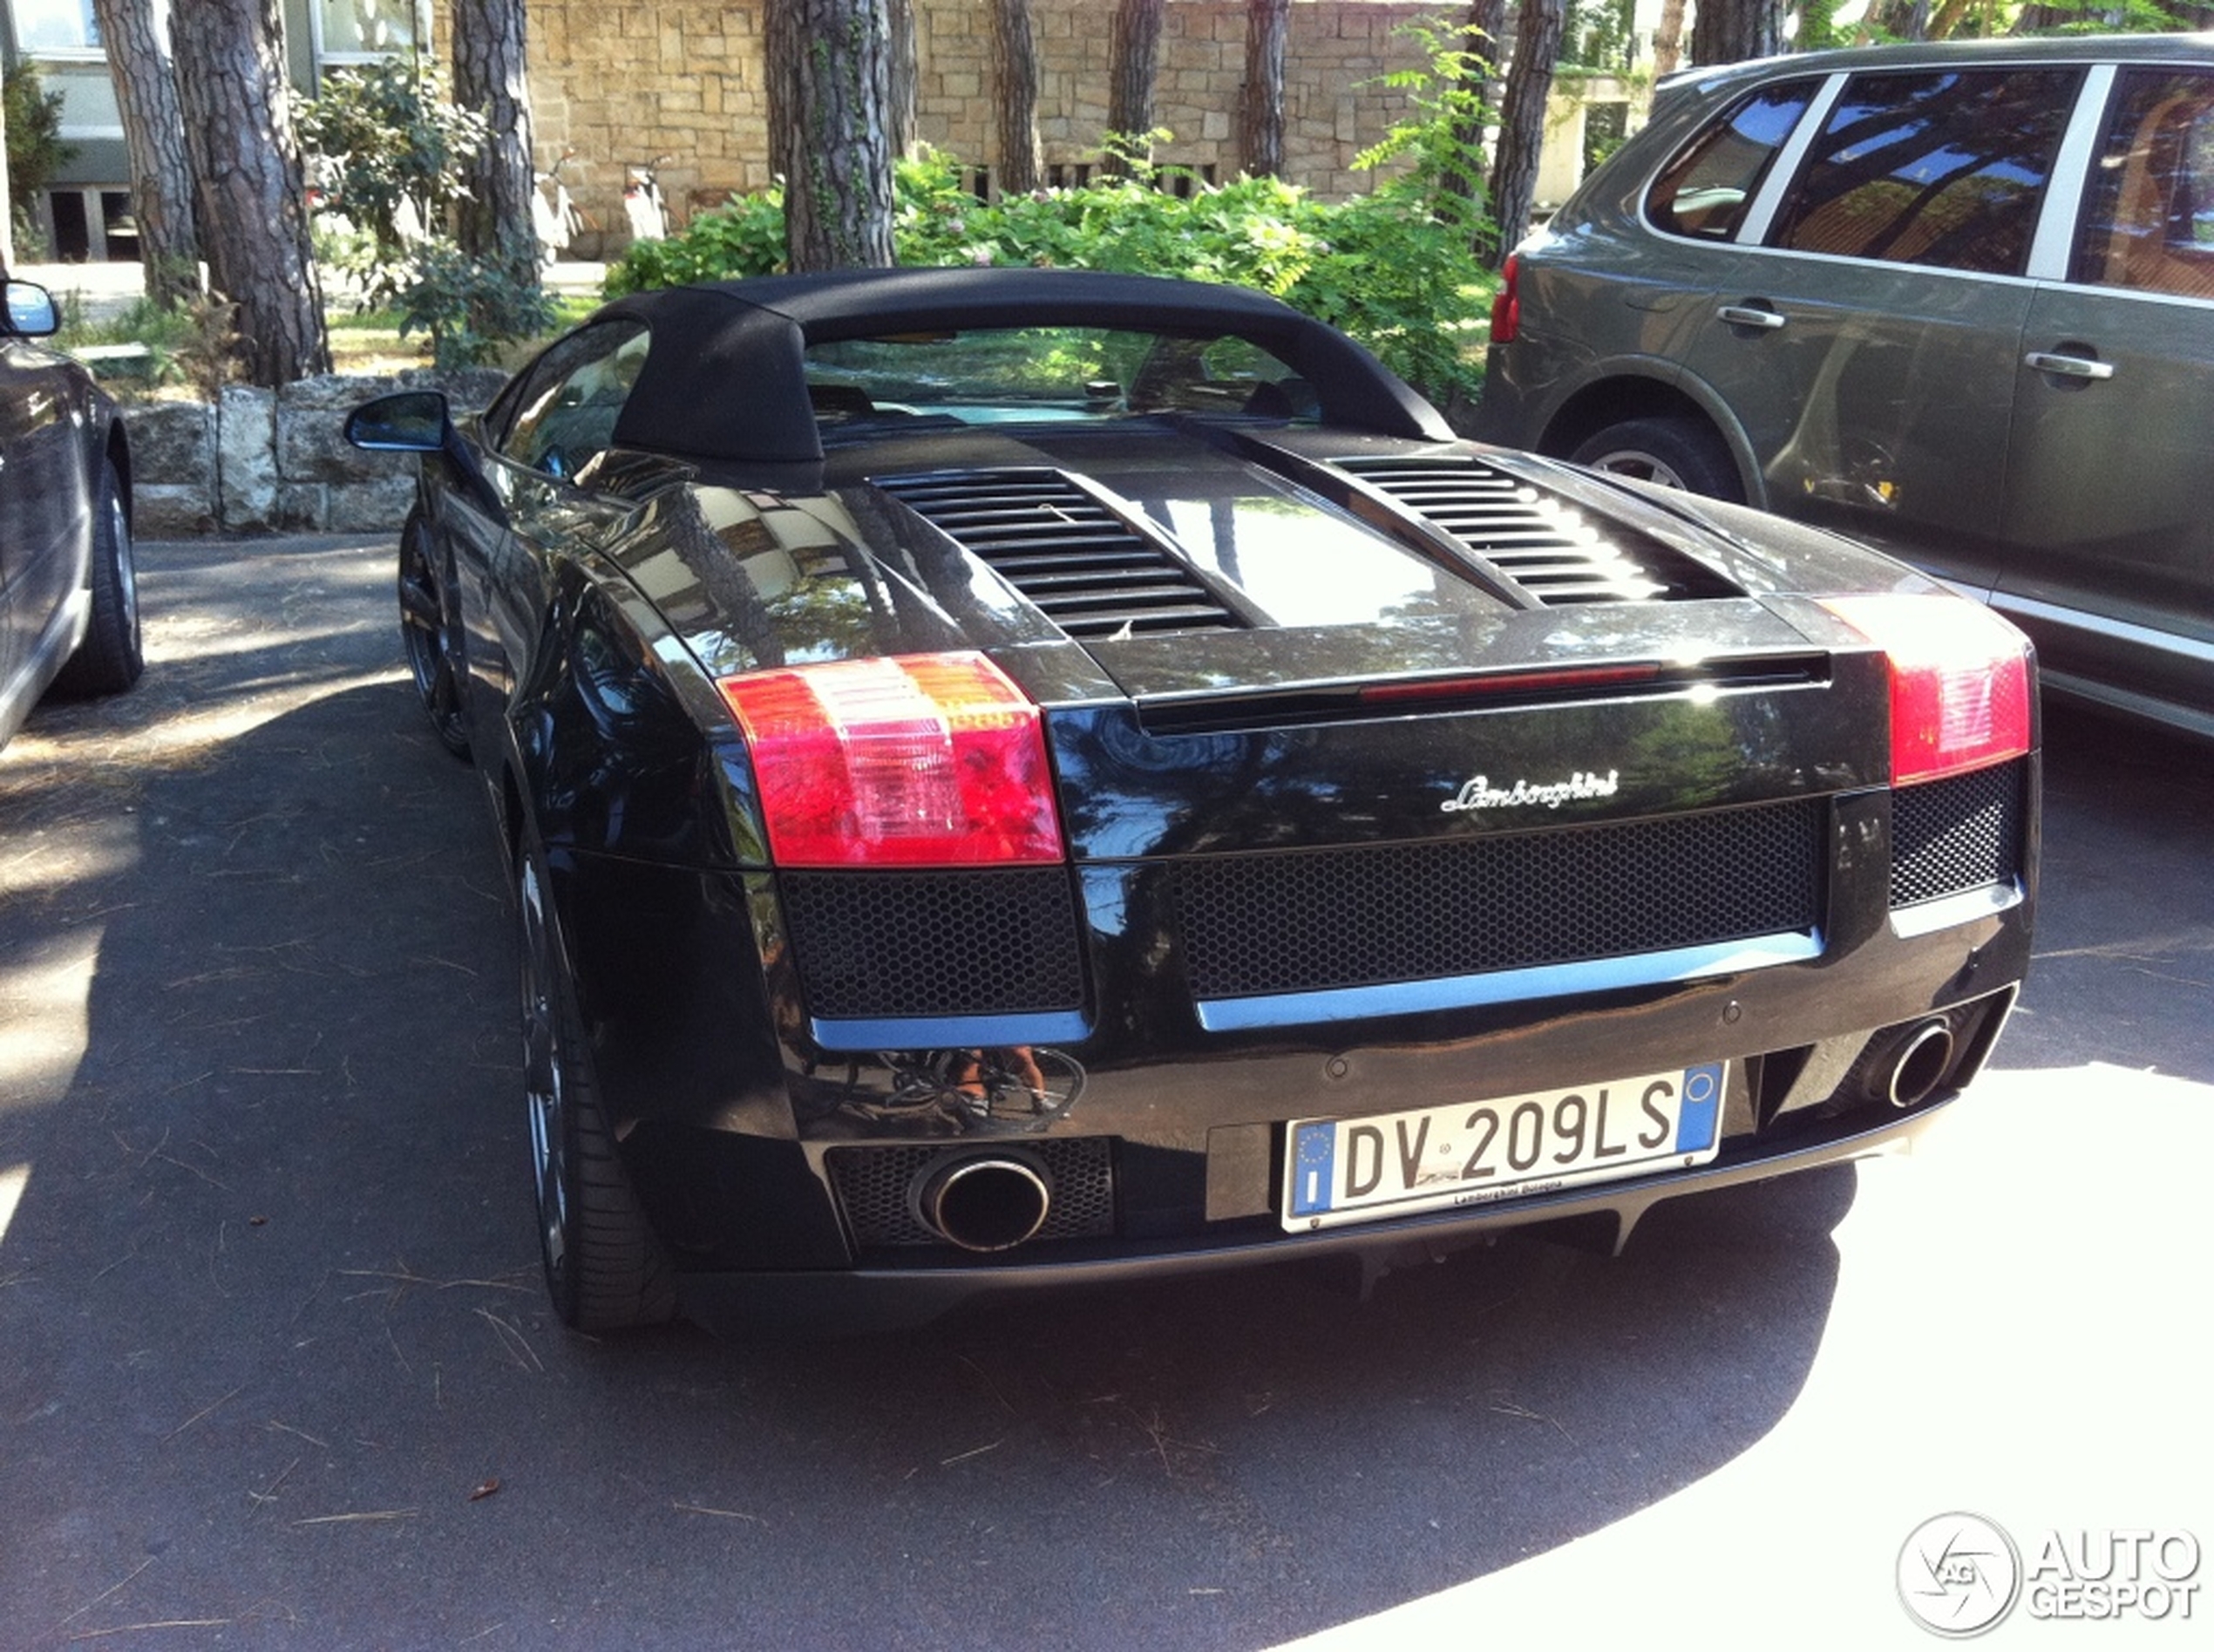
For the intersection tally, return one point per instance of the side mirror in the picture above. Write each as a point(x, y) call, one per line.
point(30, 310)
point(415, 421)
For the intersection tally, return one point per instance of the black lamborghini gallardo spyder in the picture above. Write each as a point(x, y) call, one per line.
point(1015, 777)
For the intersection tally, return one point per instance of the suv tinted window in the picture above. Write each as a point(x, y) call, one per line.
point(1944, 169)
point(1704, 190)
point(2149, 219)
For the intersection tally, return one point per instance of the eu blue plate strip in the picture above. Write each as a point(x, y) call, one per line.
point(1700, 1116)
point(1314, 1168)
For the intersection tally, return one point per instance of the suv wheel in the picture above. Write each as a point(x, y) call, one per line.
point(1669, 453)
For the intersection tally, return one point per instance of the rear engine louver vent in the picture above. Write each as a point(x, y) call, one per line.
point(1541, 543)
point(1092, 574)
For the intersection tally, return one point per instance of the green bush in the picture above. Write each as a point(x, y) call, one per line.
point(391, 150)
point(1388, 268)
point(744, 237)
point(386, 145)
point(471, 310)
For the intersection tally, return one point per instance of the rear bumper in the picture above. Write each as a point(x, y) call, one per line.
point(876, 1298)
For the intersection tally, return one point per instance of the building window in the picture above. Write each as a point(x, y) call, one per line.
point(354, 30)
point(55, 25)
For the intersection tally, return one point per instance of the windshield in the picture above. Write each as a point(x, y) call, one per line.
point(1035, 374)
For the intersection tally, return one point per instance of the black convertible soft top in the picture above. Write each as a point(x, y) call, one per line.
point(724, 377)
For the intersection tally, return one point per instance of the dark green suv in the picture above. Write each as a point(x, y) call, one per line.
point(1957, 301)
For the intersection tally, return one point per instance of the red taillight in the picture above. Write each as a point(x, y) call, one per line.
point(1960, 687)
point(932, 759)
point(1506, 303)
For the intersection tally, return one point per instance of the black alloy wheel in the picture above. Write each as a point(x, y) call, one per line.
point(424, 635)
point(112, 654)
point(605, 1268)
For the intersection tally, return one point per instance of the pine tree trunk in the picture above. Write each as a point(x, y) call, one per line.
point(7, 206)
point(1133, 59)
point(1909, 19)
point(899, 118)
point(153, 132)
point(1260, 114)
point(828, 90)
point(1734, 30)
point(1667, 39)
point(490, 77)
point(1479, 44)
point(1537, 27)
point(1014, 61)
point(246, 166)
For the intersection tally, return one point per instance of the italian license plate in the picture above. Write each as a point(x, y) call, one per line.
point(1351, 1170)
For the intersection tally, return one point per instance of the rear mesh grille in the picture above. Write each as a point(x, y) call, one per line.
point(934, 943)
point(871, 1184)
point(1953, 835)
point(1541, 543)
point(1092, 574)
point(1307, 920)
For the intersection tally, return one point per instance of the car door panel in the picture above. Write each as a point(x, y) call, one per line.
point(1874, 394)
point(2110, 525)
point(558, 416)
point(44, 500)
point(2111, 528)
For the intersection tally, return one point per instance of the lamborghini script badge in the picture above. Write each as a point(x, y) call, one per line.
point(1480, 793)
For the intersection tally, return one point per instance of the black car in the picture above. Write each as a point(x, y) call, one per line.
point(69, 598)
point(1014, 777)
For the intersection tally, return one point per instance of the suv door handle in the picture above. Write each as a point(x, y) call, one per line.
point(1746, 315)
point(2045, 361)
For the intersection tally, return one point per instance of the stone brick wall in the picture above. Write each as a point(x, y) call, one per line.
point(622, 81)
point(260, 460)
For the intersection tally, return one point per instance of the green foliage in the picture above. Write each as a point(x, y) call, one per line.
point(391, 155)
point(741, 237)
point(195, 343)
point(388, 153)
point(2084, 17)
point(1601, 35)
point(36, 151)
point(1819, 26)
point(163, 331)
point(1895, 20)
point(471, 310)
point(1438, 144)
point(1392, 267)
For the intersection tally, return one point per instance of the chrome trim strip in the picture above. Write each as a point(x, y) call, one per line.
point(2120, 630)
point(1507, 986)
point(1927, 917)
point(1785, 167)
point(949, 1032)
point(2049, 250)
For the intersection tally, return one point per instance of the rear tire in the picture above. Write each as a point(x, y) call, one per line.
point(605, 1268)
point(112, 655)
point(1669, 452)
point(425, 636)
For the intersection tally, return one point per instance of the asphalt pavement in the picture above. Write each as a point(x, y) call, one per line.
point(275, 1369)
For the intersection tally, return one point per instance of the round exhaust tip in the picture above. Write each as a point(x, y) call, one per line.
point(1921, 1064)
point(984, 1203)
